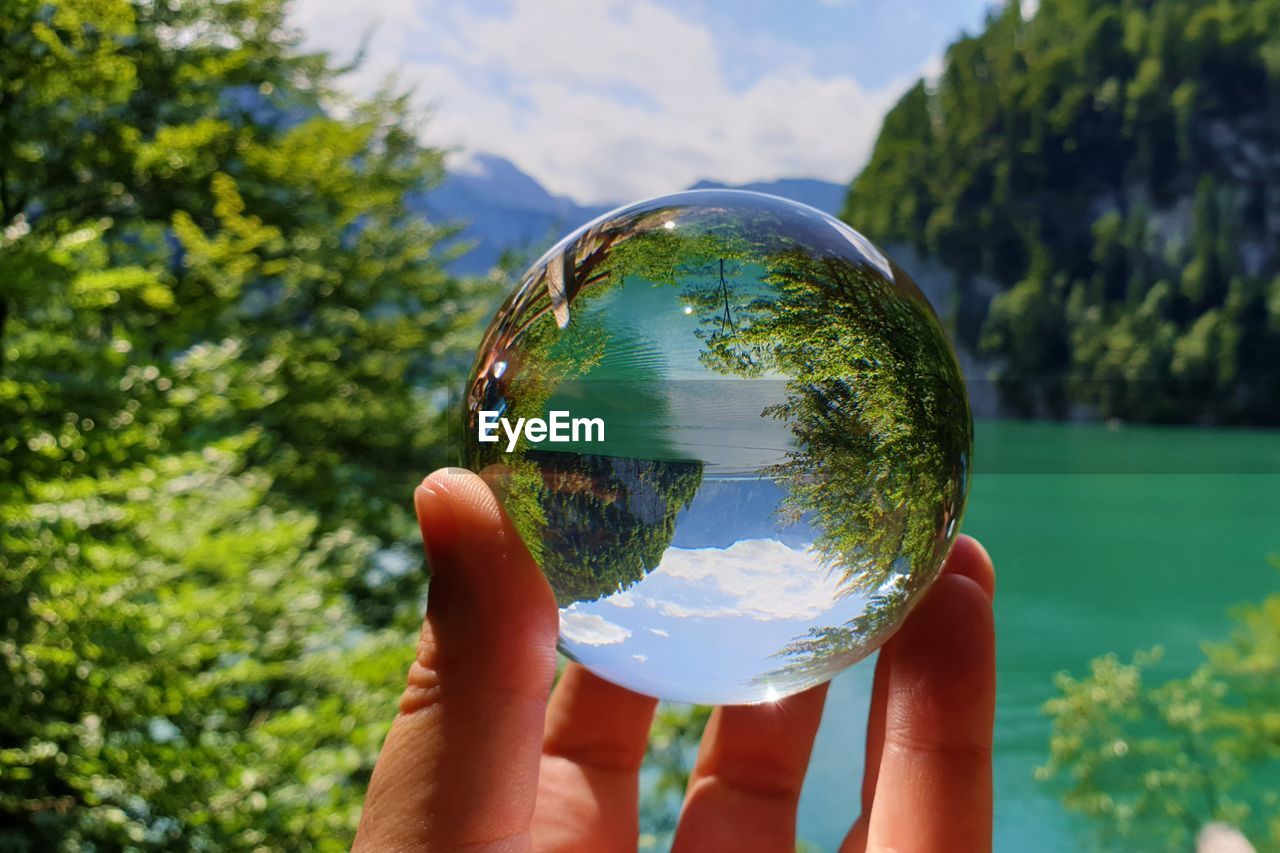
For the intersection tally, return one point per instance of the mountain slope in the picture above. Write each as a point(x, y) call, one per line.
point(502, 209)
point(824, 195)
point(1101, 180)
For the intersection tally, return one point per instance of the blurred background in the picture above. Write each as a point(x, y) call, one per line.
point(247, 249)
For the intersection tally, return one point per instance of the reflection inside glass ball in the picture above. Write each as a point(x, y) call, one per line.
point(734, 437)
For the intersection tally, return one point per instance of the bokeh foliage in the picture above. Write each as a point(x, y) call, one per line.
point(1151, 759)
point(225, 339)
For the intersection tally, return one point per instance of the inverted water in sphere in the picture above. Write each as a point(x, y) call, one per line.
point(733, 435)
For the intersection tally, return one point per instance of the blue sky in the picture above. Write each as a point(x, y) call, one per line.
point(610, 101)
point(875, 42)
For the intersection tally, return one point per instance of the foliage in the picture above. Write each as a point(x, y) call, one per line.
point(607, 521)
point(1108, 168)
point(881, 426)
point(877, 410)
point(1152, 761)
point(223, 343)
point(673, 744)
point(182, 666)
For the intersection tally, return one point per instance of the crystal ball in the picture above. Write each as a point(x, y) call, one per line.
point(733, 435)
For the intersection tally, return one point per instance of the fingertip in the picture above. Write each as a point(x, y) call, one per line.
point(746, 782)
point(948, 642)
point(436, 521)
point(956, 603)
point(475, 505)
point(933, 789)
point(461, 518)
point(474, 706)
point(484, 578)
point(968, 558)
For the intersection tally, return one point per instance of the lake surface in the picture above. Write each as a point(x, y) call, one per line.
point(1104, 540)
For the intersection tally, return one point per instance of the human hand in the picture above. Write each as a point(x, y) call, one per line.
point(479, 760)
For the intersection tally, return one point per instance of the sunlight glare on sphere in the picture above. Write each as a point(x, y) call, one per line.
point(733, 435)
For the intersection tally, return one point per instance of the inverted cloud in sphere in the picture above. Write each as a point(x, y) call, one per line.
point(760, 579)
point(590, 629)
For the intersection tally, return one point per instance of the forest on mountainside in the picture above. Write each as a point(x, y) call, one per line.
point(1102, 180)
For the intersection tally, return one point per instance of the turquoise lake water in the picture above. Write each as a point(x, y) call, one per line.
point(1104, 540)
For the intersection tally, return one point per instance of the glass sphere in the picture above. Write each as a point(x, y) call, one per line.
point(733, 435)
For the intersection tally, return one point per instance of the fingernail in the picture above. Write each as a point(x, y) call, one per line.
point(436, 521)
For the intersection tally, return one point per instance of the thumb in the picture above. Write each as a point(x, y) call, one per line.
point(459, 767)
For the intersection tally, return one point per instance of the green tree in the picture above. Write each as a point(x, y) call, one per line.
point(182, 666)
point(598, 524)
point(224, 337)
point(1077, 157)
point(672, 748)
point(1151, 760)
point(216, 174)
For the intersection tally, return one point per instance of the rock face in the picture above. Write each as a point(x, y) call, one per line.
point(942, 287)
point(1095, 191)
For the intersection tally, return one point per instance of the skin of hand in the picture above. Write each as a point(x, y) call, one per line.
point(484, 757)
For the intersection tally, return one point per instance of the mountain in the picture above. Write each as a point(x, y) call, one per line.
point(824, 195)
point(1096, 185)
point(503, 209)
point(500, 209)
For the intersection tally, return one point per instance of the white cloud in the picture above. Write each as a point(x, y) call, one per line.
point(756, 578)
point(589, 629)
point(606, 101)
